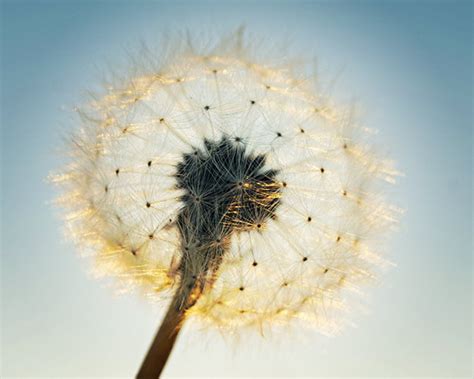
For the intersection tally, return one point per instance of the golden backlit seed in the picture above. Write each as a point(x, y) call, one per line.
point(294, 142)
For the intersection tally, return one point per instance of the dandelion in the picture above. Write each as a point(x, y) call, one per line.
point(227, 179)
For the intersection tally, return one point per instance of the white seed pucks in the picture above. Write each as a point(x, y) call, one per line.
point(122, 199)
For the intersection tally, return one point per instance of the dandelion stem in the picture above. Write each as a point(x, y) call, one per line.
point(164, 341)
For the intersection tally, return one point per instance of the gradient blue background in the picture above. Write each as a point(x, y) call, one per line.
point(408, 66)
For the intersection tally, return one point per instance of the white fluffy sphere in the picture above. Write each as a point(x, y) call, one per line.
point(123, 200)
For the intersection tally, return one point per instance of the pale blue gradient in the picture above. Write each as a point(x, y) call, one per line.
point(407, 64)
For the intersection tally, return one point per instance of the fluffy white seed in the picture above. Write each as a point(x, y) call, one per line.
point(122, 200)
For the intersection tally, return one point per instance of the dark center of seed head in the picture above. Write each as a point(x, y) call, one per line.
point(236, 192)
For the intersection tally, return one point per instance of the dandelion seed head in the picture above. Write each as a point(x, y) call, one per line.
point(228, 174)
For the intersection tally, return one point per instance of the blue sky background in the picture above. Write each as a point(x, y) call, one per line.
point(408, 64)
